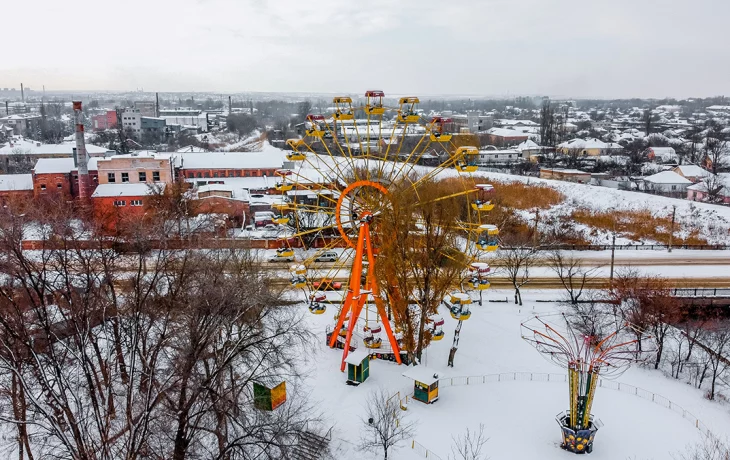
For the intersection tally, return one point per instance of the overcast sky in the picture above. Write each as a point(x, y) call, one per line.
point(586, 48)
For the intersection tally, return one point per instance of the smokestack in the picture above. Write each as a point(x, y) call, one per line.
point(157, 104)
point(81, 156)
point(7, 109)
point(230, 107)
point(22, 94)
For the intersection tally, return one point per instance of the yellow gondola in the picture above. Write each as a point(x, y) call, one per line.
point(437, 129)
point(343, 108)
point(283, 187)
point(295, 144)
point(482, 205)
point(281, 220)
point(373, 343)
point(314, 129)
point(460, 298)
point(317, 308)
point(460, 315)
point(467, 159)
point(488, 238)
point(480, 284)
point(438, 335)
point(280, 206)
point(407, 111)
point(299, 282)
point(285, 253)
point(374, 102)
point(296, 156)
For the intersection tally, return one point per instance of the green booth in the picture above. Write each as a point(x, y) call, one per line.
point(358, 367)
point(425, 383)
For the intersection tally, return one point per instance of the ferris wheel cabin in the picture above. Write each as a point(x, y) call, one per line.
point(295, 154)
point(466, 159)
point(437, 127)
point(374, 102)
point(482, 202)
point(315, 128)
point(488, 238)
point(407, 110)
point(343, 108)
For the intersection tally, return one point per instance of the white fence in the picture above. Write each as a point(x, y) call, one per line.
point(545, 377)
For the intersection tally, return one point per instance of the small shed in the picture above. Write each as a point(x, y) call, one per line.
point(358, 367)
point(268, 397)
point(426, 383)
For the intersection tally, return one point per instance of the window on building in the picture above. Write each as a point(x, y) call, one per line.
point(120, 203)
point(143, 176)
point(136, 202)
point(248, 173)
point(111, 177)
point(43, 186)
point(59, 186)
point(156, 176)
point(207, 174)
point(199, 175)
point(674, 187)
point(238, 173)
point(125, 177)
point(215, 174)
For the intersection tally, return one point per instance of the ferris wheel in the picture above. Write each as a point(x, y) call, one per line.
point(343, 176)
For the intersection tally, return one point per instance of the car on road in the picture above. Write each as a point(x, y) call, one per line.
point(327, 256)
point(327, 284)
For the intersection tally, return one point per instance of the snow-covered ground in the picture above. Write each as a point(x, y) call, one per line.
point(519, 416)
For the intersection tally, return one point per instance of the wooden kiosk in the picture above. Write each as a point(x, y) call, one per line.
point(267, 396)
point(426, 383)
point(358, 367)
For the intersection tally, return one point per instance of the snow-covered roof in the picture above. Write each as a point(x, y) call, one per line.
point(529, 144)
point(691, 171)
point(10, 182)
point(60, 165)
point(667, 177)
point(504, 132)
point(232, 160)
point(422, 374)
point(126, 189)
point(590, 143)
point(33, 148)
point(356, 357)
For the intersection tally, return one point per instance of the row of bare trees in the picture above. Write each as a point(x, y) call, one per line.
point(141, 354)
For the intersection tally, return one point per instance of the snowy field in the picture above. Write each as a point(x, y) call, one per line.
point(519, 416)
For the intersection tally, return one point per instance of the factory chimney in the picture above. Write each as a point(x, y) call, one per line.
point(81, 156)
point(22, 94)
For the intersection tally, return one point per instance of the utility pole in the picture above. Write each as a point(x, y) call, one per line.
point(613, 254)
point(671, 232)
point(535, 235)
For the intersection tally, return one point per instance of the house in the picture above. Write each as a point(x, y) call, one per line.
point(15, 186)
point(661, 154)
point(568, 175)
point(692, 172)
point(699, 191)
point(665, 183)
point(590, 147)
point(504, 136)
point(531, 150)
point(492, 155)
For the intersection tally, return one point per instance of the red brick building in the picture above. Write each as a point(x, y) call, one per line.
point(15, 186)
point(114, 203)
point(59, 176)
point(104, 121)
point(228, 164)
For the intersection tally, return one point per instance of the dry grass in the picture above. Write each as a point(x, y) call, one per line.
point(636, 225)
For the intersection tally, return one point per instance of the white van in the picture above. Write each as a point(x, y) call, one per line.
point(327, 256)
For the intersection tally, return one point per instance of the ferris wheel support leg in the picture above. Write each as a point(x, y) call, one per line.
point(455, 345)
point(357, 304)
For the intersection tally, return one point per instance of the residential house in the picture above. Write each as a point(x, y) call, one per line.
point(491, 155)
point(505, 137)
point(532, 151)
point(692, 172)
point(661, 154)
point(700, 192)
point(590, 147)
point(667, 183)
point(568, 175)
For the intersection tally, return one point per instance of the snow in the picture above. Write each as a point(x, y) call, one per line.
point(423, 374)
point(356, 357)
point(519, 416)
point(504, 132)
point(126, 189)
point(11, 182)
point(60, 165)
point(667, 177)
point(28, 147)
point(233, 160)
point(692, 171)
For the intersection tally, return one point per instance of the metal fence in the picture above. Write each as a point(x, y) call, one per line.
point(701, 292)
point(422, 451)
point(545, 377)
point(631, 247)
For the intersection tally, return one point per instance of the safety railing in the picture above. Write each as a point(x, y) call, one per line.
point(422, 451)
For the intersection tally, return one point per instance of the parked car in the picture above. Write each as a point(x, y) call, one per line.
point(327, 256)
point(327, 284)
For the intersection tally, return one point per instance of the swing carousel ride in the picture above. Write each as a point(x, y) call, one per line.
point(344, 176)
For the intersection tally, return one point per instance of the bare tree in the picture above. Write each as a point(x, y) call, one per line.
point(547, 124)
point(711, 448)
point(384, 424)
point(717, 151)
point(572, 275)
point(469, 446)
point(516, 261)
point(715, 341)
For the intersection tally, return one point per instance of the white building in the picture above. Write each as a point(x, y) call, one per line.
point(132, 120)
point(665, 183)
